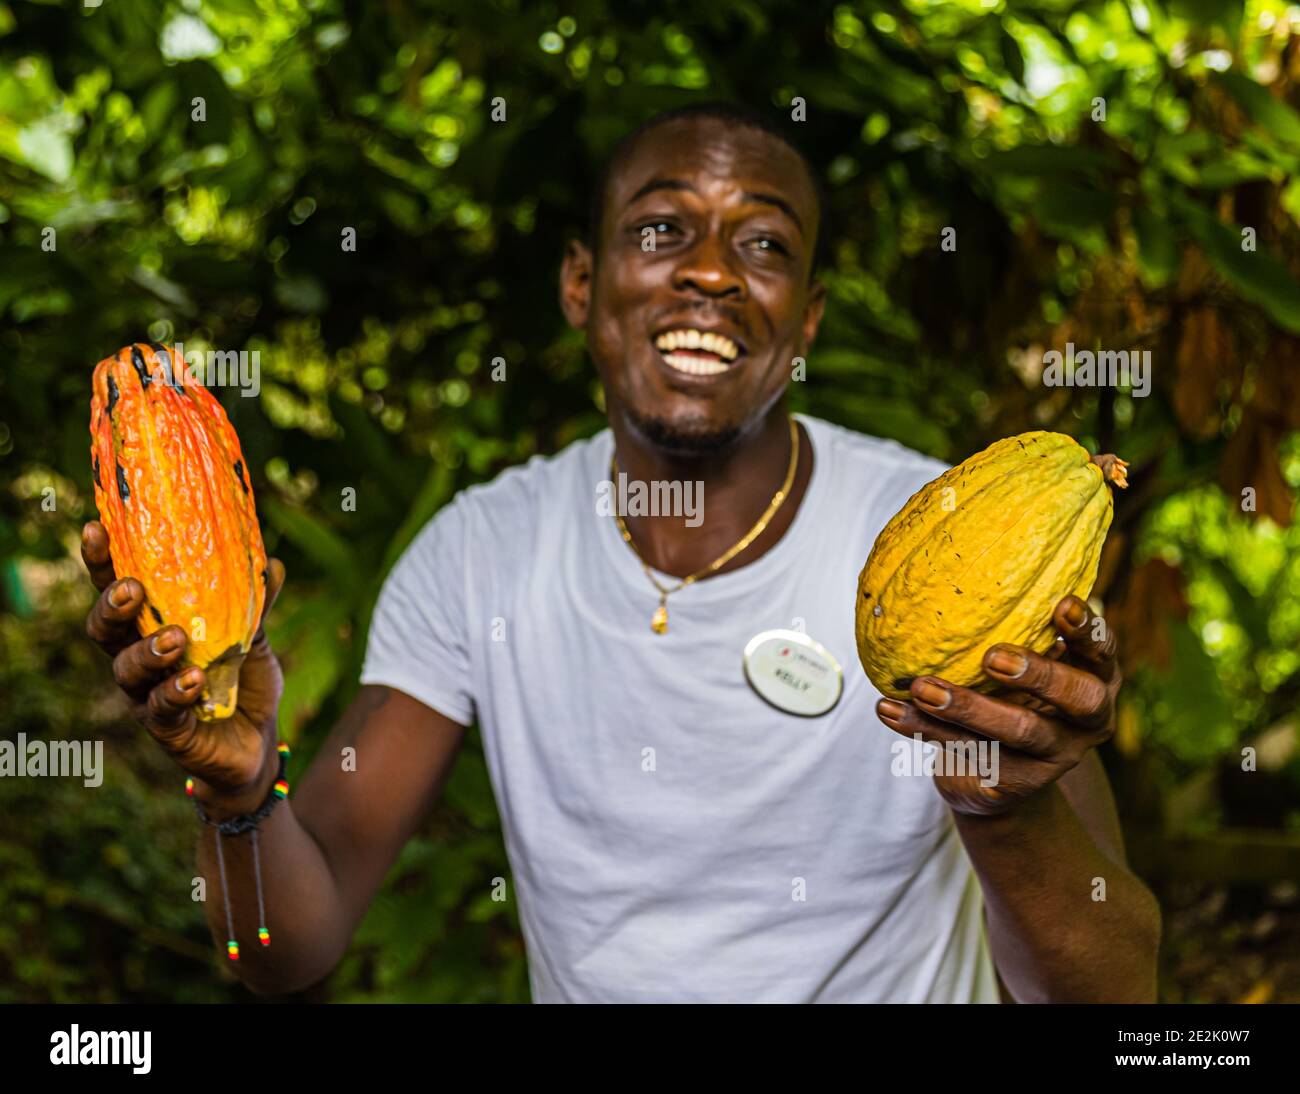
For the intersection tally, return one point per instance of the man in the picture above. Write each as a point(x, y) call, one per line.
point(672, 834)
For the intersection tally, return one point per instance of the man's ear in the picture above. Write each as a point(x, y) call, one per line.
point(812, 312)
point(575, 283)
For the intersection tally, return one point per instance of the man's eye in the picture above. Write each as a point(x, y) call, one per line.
point(767, 243)
point(661, 227)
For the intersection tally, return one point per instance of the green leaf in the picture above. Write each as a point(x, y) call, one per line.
point(312, 654)
point(301, 293)
point(1074, 212)
point(1270, 114)
point(314, 538)
point(435, 492)
point(895, 419)
point(1250, 611)
point(1157, 246)
point(1011, 55)
point(1204, 13)
point(1231, 169)
point(159, 109)
point(1052, 159)
point(1196, 721)
point(375, 450)
point(47, 148)
point(165, 289)
point(1259, 277)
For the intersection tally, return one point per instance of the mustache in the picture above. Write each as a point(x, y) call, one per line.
point(705, 310)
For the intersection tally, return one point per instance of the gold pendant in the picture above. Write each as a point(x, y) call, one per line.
point(659, 624)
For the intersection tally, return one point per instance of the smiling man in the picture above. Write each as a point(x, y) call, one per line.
point(679, 827)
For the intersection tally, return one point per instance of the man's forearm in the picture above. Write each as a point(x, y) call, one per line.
point(304, 914)
point(1053, 938)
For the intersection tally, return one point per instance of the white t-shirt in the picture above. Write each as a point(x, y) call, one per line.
point(671, 835)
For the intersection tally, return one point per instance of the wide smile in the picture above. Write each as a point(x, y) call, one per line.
point(695, 352)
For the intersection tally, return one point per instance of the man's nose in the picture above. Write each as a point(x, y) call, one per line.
point(708, 270)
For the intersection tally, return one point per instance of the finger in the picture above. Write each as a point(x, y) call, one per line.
point(1008, 723)
point(1077, 693)
point(908, 720)
point(274, 583)
point(112, 621)
point(982, 775)
point(1086, 634)
point(171, 707)
point(145, 664)
point(95, 554)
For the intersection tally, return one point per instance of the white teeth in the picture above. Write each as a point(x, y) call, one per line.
point(694, 365)
point(689, 338)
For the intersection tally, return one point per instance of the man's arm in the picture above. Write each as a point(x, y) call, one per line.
point(326, 848)
point(1068, 921)
point(1039, 866)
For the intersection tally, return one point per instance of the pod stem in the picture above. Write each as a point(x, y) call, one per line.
point(1113, 470)
point(220, 695)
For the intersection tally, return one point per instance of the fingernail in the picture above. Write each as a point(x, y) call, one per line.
point(190, 679)
point(887, 708)
point(165, 642)
point(1007, 662)
point(1076, 613)
point(931, 694)
point(119, 596)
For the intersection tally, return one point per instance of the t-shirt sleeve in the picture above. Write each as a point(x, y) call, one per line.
point(418, 633)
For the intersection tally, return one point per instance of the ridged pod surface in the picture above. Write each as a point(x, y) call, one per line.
point(982, 555)
point(174, 497)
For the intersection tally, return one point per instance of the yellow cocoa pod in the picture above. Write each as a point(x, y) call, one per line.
point(981, 555)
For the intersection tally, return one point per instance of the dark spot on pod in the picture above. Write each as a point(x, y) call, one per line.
point(112, 393)
point(165, 358)
point(866, 596)
point(157, 615)
point(239, 470)
point(123, 490)
point(903, 683)
point(263, 577)
point(957, 590)
point(96, 473)
point(141, 369)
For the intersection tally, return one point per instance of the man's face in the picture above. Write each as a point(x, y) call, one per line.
point(695, 339)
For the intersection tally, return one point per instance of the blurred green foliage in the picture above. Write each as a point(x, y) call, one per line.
point(187, 171)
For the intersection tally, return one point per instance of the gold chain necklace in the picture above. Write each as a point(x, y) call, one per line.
point(659, 622)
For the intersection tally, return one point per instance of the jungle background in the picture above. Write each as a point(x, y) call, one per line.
point(1099, 160)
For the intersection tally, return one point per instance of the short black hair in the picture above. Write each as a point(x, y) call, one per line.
point(733, 114)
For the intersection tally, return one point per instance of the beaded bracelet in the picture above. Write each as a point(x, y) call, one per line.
point(234, 826)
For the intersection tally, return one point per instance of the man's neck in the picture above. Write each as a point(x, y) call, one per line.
point(734, 488)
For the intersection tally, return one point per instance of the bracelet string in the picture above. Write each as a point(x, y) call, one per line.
point(234, 826)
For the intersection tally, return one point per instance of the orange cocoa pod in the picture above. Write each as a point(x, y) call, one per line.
point(175, 499)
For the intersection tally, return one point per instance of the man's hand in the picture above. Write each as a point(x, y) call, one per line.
point(230, 759)
point(1053, 709)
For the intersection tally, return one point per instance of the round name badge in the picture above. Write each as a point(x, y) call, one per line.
point(793, 672)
